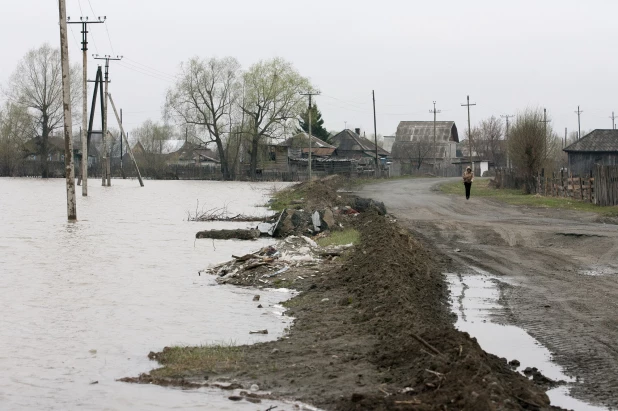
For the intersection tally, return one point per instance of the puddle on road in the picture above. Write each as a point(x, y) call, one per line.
point(597, 270)
point(474, 298)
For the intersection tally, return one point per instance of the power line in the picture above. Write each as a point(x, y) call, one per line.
point(150, 68)
point(122, 64)
point(110, 40)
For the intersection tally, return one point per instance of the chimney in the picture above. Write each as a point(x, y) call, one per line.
point(357, 131)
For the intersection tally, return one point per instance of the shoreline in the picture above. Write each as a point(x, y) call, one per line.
point(372, 330)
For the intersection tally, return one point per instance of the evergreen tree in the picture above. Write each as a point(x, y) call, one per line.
point(317, 123)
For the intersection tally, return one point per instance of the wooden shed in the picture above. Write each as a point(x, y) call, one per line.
point(598, 147)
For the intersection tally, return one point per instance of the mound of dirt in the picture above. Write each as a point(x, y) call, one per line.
point(373, 331)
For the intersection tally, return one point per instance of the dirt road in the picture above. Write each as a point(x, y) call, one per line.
point(565, 265)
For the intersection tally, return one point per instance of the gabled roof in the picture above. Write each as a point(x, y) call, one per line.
point(597, 141)
point(302, 140)
point(347, 140)
point(423, 131)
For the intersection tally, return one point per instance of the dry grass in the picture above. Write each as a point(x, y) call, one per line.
point(182, 361)
point(347, 236)
point(480, 188)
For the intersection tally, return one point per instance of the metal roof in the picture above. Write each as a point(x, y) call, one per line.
point(597, 141)
point(348, 140)
point(423, 131)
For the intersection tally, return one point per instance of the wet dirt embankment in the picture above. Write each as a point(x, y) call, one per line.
point(373, 331)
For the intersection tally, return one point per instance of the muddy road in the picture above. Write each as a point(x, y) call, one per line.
point(564, 265)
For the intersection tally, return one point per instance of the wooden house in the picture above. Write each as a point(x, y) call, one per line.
point(351, 145)
point(598, 147)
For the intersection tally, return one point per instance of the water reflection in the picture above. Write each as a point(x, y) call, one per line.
point(86, 301)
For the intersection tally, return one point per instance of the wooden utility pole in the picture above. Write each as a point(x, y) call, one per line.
point(545, 121)
point(565, 138)
point(123, 135)
point(469, 130)
point(106, 172)
point(375, 131)
point(84, 138)
point(613, 121)
point(435, 153)
point(507, 116)
point(310, 94)
point(579, 127)
point(66, 100)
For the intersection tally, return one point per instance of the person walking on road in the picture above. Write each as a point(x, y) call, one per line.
point(468, 178)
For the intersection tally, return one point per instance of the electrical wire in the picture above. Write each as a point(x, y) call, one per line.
point(150, 71)
point(144, 73)
point(110, 39)
point(74, 38)
point(150, 68)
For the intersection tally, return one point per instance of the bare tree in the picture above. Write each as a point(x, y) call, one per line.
point(415, 152)
point(16, 127)
point(532, 145)
point(488, 142)
point(272, 102)
point(205, 95)
point(36, 84)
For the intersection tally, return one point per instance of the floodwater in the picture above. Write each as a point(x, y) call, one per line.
point(475, 299)
point(85, 302)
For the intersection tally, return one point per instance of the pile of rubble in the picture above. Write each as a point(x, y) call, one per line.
point(269, 265)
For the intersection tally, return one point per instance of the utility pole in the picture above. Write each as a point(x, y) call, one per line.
point(310, 94)
point(434, 111)
point(579, 128)
point(507, 116)
point(469, 130)
point(84, 165)
point(123, 135)
point(565, 138)
point(613, 121)
point(106, 160)
point(375, 131)
point(545, 121)
point(66, 99)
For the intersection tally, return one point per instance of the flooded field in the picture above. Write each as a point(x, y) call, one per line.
point(83, 303)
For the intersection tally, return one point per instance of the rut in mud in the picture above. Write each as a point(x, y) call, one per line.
point(563, 266)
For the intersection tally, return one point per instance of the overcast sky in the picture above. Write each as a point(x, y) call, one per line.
point(507, 56)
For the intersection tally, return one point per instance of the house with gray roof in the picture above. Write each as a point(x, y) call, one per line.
point(598, 147)
point(351, 145)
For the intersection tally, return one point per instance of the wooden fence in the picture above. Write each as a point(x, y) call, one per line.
point(605, 185)
point(599, 186)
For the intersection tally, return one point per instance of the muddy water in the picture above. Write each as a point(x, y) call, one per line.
point(85, 302)
point(475, 300)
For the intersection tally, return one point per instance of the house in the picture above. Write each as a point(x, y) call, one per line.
point(189, 153)
point(421, 133)
point(296, 147)
point(351, 145)
point(598, 147)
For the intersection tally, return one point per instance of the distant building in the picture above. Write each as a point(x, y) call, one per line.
point(296, 147)
point(598, 147)
point(413, 133)
point(351, 145)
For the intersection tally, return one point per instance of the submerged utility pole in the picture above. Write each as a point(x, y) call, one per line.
point(435, 153)
point(375, 131)
point(66, 105)
point(310, 94)
point(468, 104)
point(84, 138)
point(579, 127)
point(106, 172)
point(507, 116)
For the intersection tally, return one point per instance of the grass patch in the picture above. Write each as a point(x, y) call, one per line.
point(183, 361)
point(347, 236)
point(283, 199)
point(480, 188)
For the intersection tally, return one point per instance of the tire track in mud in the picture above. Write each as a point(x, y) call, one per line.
point(572, 314)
